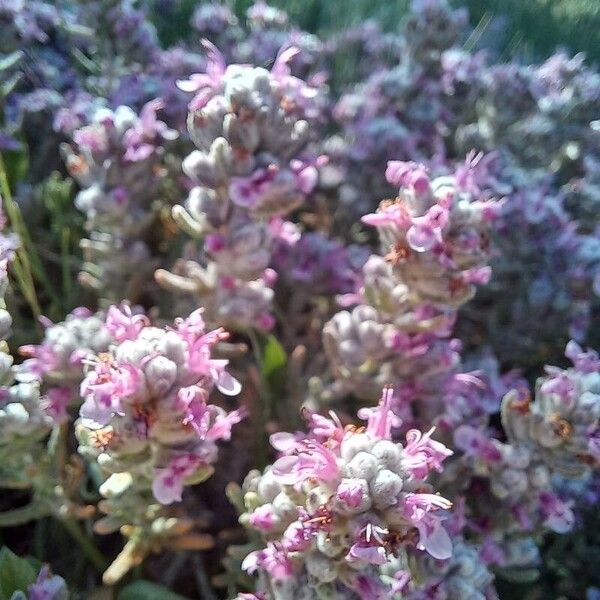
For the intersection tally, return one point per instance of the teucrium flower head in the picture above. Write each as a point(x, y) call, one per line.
point(146, 402)
point(339, 502)
point(118, 161)
point(251, 128)
point(436, 233)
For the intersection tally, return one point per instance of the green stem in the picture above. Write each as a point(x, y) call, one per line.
point(66, 268)
point(27, 253)
point(264, 392)
point(25, 284)
point(20, 516)
point(87, 545)
point(263, 410)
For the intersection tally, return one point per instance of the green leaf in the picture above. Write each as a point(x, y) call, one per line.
point(235, 495)
point(200, 475)
point(16, 163)
point(146, 590)
point(16, 574)
point(274, 359)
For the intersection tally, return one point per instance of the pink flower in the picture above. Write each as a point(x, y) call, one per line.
point(408, 174)
point(91, 137)
point(375, 555)
point(247, 191)
point(123, 324)
point(560, 383)
point(285, 442)
point(199, 349)
point(43, 358)
point(103, 391)
point(56, 402)
point(307, 174)
point(210, 422)
point(475, 443)
point(167, 486)
point(281, 66)
point(222, 424)
point(395, 214)
point(192, 401)
point(311, 459)
point(478, 276)
point(324, 429)
point(262, 518)
point(422, 454)
point(273, 559)
point(370, 547)
point(351, 492)
point(426, 231)
point(381, 419)
point(584, 361)
point(205, 84)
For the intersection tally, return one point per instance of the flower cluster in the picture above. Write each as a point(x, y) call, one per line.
point(552, 437)
point(255, 173)
point(340, 502)
point(435, 237)
point(250, 128)
point(117, 159)
point(563, 420)
point(329, 267)
point(146, 408)
point(146, 420)
point(436, 103)
point(58, 361)
point(437, 232)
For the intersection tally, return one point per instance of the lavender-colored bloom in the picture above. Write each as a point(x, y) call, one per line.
point(117, 158)
point(48, 587)
point(250, 128)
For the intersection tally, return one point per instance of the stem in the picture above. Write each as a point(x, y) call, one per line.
point(39, 538)
point(20, 516)
point(66, 268)
point(265, 393)
point(87, 545)
point(25, 284)
point(202, 581)
point(27, 253)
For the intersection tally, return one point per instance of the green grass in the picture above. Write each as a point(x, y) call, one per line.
point(535, 27)
point(538, 27)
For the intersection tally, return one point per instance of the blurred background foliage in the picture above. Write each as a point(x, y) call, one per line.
point(530, 29)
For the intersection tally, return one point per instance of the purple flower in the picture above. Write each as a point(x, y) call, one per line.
point(420, 509)
point(48, 587)
point(558, 514)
